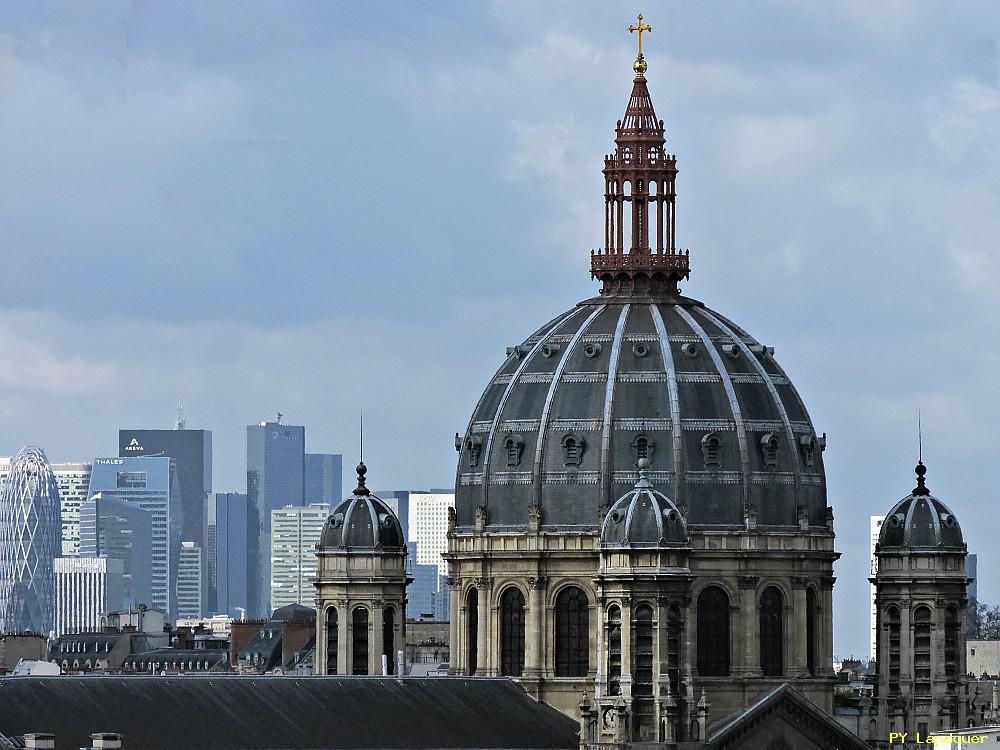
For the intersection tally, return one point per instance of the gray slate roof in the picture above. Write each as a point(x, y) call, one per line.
point(289, 713)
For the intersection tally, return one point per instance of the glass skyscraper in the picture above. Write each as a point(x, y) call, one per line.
point(29, 542)
point(275, 478)
point(324, 474)
point(227, 542)
point(113, 528)
point(150, 483)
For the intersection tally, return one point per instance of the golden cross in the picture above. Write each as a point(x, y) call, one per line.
point(640, 28)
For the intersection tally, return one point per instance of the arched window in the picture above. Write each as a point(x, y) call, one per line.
point(572, 633)
point(922, 651)
point(512, 632)
point(713, 632)
point(952, 629)
point(772, 642)
point(472, 629)
point(389, 639)
point(359, 650)
point(332, 639)
point(643, 652)
point(894, 629)
point(614, 649)
point(811, 631)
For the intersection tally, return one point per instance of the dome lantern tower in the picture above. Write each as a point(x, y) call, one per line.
point(639, 254)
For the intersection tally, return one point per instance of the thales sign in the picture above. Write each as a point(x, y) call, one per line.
point(134, 446)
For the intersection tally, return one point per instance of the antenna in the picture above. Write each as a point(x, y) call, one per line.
point(179, 424)
point(362, 438)
point(920, 440)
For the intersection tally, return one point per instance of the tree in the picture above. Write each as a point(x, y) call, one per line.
point(984, 621)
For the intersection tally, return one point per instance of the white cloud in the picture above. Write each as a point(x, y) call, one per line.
point(771, 146)
point(29, 365)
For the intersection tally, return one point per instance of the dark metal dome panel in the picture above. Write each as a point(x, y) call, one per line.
point(719, 421)
point(920, 520)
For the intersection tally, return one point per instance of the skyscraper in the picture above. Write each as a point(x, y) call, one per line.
point(428, 527)
point(115, 529)
point(228, 514)
point(29, 541)
point(150, 483)
point(275, 478)
point(72, 481)
point(85, 588)
point(323, 478)
point(192, 454)
point(295, 532)
point(189, 581)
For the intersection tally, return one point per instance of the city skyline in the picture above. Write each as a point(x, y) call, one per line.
point(822, 113)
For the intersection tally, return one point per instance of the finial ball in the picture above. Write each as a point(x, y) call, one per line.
point(643, 463)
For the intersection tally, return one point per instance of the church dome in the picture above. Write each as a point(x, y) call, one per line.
point(920, 520)
point(362, 521)
point(639, 371)
point(643, 518)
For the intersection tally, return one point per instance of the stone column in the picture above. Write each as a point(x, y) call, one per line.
point(456, 628)
point(744, 629)
point(796, 630)
point(626, 678)
point(484, 587)
point(824, 650)
point(905, 648)
point(343, 637)
point(534, 650)
point(319, 660)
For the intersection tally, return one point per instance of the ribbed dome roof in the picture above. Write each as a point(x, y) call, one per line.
point(921, 520)
point(564, 421)
point(643, 518)
point(362, 521)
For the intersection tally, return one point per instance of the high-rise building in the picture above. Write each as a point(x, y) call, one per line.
point(295, 532)
point(192, 454)
point(85, 588)
point(150, 483)
point(399, 501)
point(275, 478)
point(324, 478)
point(29, 541)
point(227, 567)
point(428, 526)
point(875, 528)
point(115, 529)
point(73, 481)
point(189, 581)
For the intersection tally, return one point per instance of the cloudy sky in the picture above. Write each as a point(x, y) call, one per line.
point(325, 207)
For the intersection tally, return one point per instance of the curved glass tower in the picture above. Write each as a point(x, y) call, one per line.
point(29, 541)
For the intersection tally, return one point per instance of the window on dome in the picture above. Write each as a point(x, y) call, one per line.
point(572, 633)
point(472, 629)
point(332, 639)
point(769, 450)
point(643, 447)
point(474, 445)
point(572, 449)
point(359, 643)
point(614, 649)
point(512, 632)
point(514, 447)
point(713, 632)
point(772, 642)
point(711, 450)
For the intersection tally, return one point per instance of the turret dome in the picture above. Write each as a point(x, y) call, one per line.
point(362, 521)
point(643, 518)
point(920, 520)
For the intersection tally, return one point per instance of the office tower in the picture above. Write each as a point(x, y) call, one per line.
point(192, 454)
point(150, 483)
point(85, 588)
point(115, 529)
point(228, 514)
point(72, 481)
point(275, 476)
point(420, 592)
point(29, 541)
point(875, 527)
point(323, 478)
point(295, 532)
point(189, 581)
point(429, 526)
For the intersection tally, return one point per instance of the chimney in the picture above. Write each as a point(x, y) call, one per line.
point(40, 741)
point(106, 740)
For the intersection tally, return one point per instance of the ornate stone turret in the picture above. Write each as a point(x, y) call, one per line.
point(360, 587)
point(920, 601)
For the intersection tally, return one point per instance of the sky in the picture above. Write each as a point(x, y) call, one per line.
point(321, 208)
